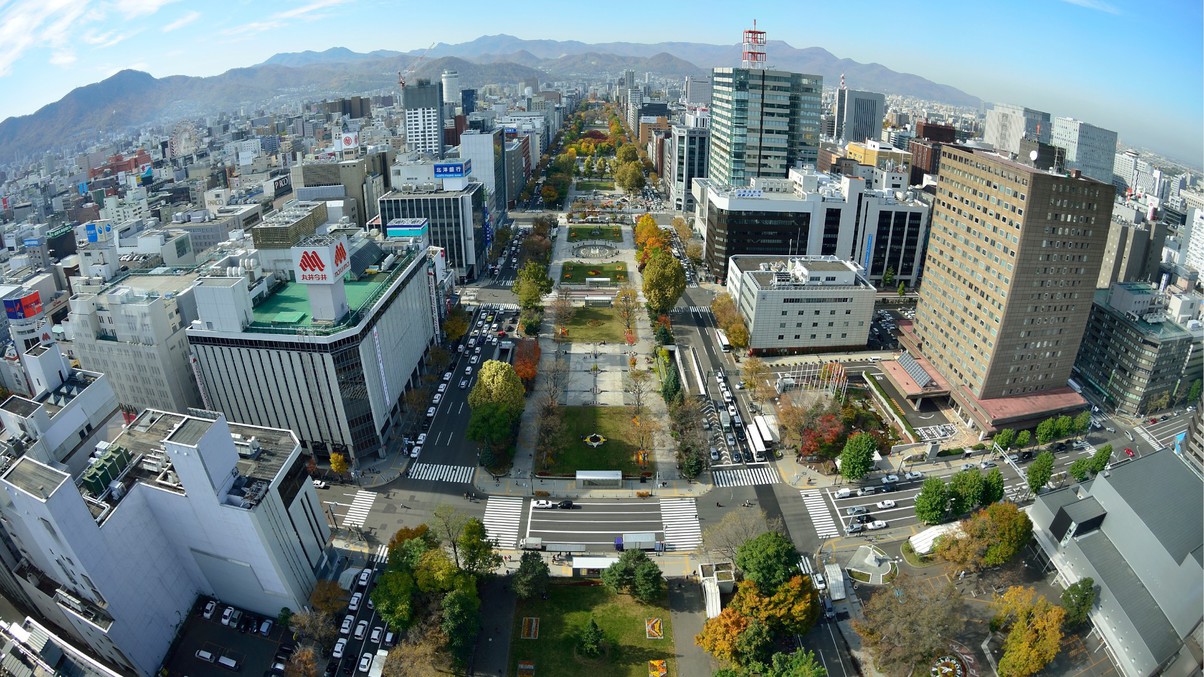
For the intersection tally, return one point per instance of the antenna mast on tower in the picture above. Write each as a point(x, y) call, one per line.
point(753, 55)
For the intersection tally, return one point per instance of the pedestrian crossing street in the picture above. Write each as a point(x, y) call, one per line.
point(380, 556)
point(682, 529)
point(506, 283)
point(745, 477)
point(821, 516)
point(360, 507)
point(435, 472)
point(503, 515)
point(700, 310)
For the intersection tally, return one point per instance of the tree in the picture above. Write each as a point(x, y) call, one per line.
point(491, 424)
point(664, 282)
point(435, 573)
point(476, 550)
point(537, 274)
point(671, 386)
point(1005, 438)
point(1064, 425)
point(526, 360)
point(756, 378)
point(1035, 631)
point(1160, 402)
point(590, 642)
point(649, 583)
point(528, 293)
point(993, 487)
point(769, 560)
point(801, 663)
point(909, 623)
point(448, 525)
point(562, 310)
point(965, 491)
point(755, 644)
point(420, 655)
point(627, 153)
point(498, 384)
point(328, 597)
point(303, 662)
point(622, 575)
point(1047, 430)
point(1039, 471)
point(857, 458)
point(737, 335)
point(338, 463)
point(531, 579)
point(719, 634)
point(989, 537)
point(1023, 438)
point(902, 289)
point(1193, 393)
point(888, 276)
point(682, 228)
point(627, 303)
point(456, 324)
point(1077, 599)
point(1082, 423)
point(1101, 458)
point(284, 616)
point(549, 194)
point(461, 608)
point(692, 464)
point(1080, 469)
point(393, 597)
point(791, 609)
point(933, 501)
point(724, 309)
point(694, 252)
point(316, 625)
point(630, 177)
point(724, 538)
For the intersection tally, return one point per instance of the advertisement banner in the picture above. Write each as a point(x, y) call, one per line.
point(24, 307)
point(321, 264)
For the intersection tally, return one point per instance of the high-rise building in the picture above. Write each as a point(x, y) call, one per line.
point(859, 115)
point(451, 87)
point(686, 158)
point(486, 151)
point(1007, 124)
point(697, 91)
point(763, 122)
point(1089, 149)
point(422, 104)
point(468, 101)
point(1013, 256)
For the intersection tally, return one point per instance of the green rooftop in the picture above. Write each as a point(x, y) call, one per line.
point(286, 310)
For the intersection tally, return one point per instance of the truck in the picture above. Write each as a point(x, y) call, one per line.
point(725, 420)
point(640, 541)
point(530, 543)
point(535, 543)
point(835, 582)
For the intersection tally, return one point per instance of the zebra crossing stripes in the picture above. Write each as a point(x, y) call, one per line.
point(821, 516)
point(700, 310)
point(360, 507)
point(435, 472)
point(503, 514)
point(745, 477)
point(682, 529)
point(381, 555)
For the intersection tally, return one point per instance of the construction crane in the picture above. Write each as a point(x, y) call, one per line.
point(401, 75)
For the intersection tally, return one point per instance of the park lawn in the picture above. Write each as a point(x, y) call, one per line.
point(617, 453)
point(588, 184)
point(593, 324)
point(564, 614)
point(575, 272)
point(598, 232)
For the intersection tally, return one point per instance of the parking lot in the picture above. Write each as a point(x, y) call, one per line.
point(254, 652)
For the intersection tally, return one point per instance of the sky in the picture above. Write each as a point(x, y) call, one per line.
point(1134, 67)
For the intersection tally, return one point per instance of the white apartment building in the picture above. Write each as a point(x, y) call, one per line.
point(1089, 149)
point(422, 105)
point(174, 507)
point(801, 304)
point(686, 158)
point(1006, 125)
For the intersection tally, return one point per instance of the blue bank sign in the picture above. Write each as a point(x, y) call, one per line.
point(453, 170)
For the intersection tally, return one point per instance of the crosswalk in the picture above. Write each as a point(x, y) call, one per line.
point(503, 514)
point(381, 555)
point(682, 529)
point(435, 472)
point(700, 310)
point(745, 477)
point(360, 507)
point(506, 283)
point(821, 517)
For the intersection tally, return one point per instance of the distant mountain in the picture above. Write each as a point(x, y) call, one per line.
point(332, 55)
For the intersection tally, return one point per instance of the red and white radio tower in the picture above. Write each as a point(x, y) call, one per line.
point(754, 48)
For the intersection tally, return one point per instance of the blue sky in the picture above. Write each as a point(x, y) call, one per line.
point(1135, 67)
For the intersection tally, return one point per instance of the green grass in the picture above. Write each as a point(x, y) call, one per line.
point(598, 232)
point(592, 324)
point(591, 184)
point(617, 453)
point(564, 614)
point(576, 273)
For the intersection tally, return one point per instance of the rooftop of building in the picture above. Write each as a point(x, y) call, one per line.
point(1175, 512)
point(35, 478)
point(54, 400)
point(1165, 330)
point(1016, 165)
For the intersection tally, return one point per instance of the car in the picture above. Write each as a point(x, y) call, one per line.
point(740, 434)
point(817, 579)
point(1110, 429)
point(1026, 456)
point(361, 629)
point(844, 492)
point(437, 398)
point(348, 621)
point(867, 491)
point(430, 412)
point(475, 359)
point(210, 607)
point(477, 350)
point(1153, 420)
point(969, 466)
point(731, 441)
point(319, 484)
point(447, 376)
point(365, 578)
point(460, 348)
point(415, 450)
point(365, 662)
point(1060, 446)
point(421, 439)
point(339, 646)
point(227, 615)
point(883, 505)
point(377, 633)
point(1014, 458)
point(986, 464)
point(468, 370)
point(565, 505)
point(855, 510)
point(731, 409)
point(912, 475)
point(890, 479)
point(714, 455)
point(863, 519)
point(463, 383)
point(265, 628)
point(1129, 452)
point(727, 397)
point(543, 505)
point(875, 525)
point(354, 603)
point(855, 528)
point(493, 341)
point(442, 388)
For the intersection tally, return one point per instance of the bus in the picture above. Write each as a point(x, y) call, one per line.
point(755, 443)
point(724, 345)
point(763, 428)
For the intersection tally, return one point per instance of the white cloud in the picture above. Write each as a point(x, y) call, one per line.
point(1097, 5)
point(26, 24)
point(251, 28)
point(301, 12)
point(135, 8)
point(182, 22)
point(62, 57)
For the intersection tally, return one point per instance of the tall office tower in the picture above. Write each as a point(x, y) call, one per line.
point(697, 91)
point(422, 102)
point(686, 158)
point(468, 101)
point(763, 122)
point(628, 79)
point(1007, 124)
point(859, 115)
point(1089, 149)
point(1013, 257)
point(451, 87)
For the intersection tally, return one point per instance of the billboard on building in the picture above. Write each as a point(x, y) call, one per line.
point(407, 228)
point(453, 170)
point(23, 307)
point(325, 263)
point(347, 141)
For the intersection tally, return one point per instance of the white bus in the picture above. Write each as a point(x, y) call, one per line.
point(762, 427)
point(755, 443)
point(724, 345)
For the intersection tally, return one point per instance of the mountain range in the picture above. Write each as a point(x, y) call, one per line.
point(132, 99)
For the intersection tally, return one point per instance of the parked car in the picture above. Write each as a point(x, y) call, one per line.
point(890, 479)
point(463, 383)
point(1026, 456)
point(227, 615)
point(912, 475)
point(210, 607)
point(867, 491)
point(875, 525)
point(339, 646)
point(565, 505)
point(855, 528)
point(415, 450)
point(365, 662)
point(855, 510)
point(377, 633)
point(844, 492)
point(437, 398)
point(361, 629)
point(447, 376)
point(543, 505)
point(883, 505)
point(319, 484)
point(1129, 452)
point(354, 603)
point(969, 466)
point(986, 464)
point(348, 621)
point(365, 578)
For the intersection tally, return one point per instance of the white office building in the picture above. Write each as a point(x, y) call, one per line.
point(174, 507)
point(801, 304)
point(859, 115)
point(1006, 125)
point(1089, 149)
point(422, 105)
point(686, 158)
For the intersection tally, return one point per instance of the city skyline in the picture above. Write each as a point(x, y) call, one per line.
point(49, 48)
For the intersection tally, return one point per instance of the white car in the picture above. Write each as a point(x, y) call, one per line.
point(354, 604)
point(463, 383)
point(969, 466)
point(437, 398)
point(843, 493)
point(415, 451)
point(338, 647)
point(227, 614)
point(442, 387)
point(421, 439)
point(468, 370)
point(866, 491)
point(361, 629)
point(875, 525)
point(430, 412)
point(319, 484)
point(377, 633)
point(447, 376)
point(818, 580)
point(210, 607)
point(347, 623)
point(890, 479)
point(475, 359)
point(543, 505)
point(913, 475)
point(365, 662)
point(883, 505)
point(731, 409)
